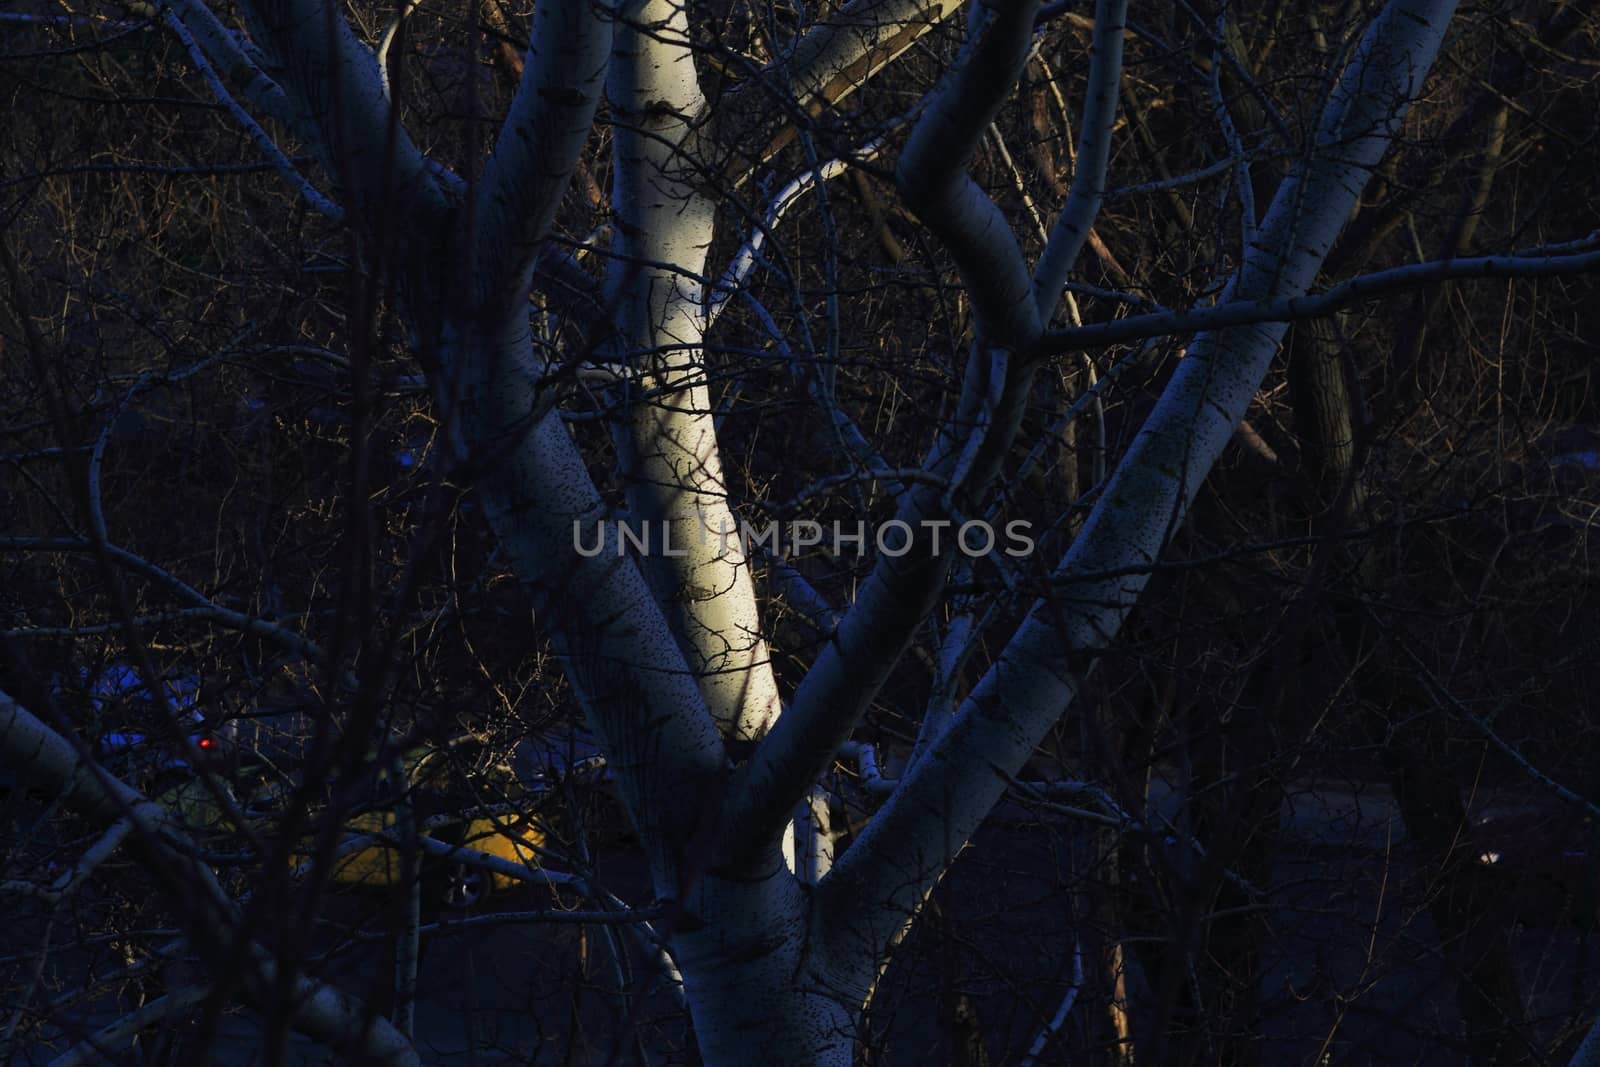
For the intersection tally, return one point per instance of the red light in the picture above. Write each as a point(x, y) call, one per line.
point(206, 744)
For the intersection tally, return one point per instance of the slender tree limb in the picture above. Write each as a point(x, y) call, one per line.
point(745, 259)
point(1073, 226)
point(1233, 312)
point(944, 797)
point(537, 150)
point(380, 51)
point(1048, 1033)
point(1244, 188)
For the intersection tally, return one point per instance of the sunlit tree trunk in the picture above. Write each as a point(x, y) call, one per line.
point(779, 954)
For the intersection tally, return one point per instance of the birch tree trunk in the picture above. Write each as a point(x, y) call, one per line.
point(665, 224)
point(902, 852)
point(780, 945)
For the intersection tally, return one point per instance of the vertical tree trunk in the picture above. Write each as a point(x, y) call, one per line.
point(759, 988)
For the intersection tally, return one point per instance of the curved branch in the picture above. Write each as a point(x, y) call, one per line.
point(947, 794)
point(380, 52)
point(933, 179)
point(745, 259)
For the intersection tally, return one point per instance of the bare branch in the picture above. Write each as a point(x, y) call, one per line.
point(118, 1034)
point(203, 606)
point(1093, 158)
point(1532, 263)
point(331, 80)
point(745, 259)
point(944, 797)
point(538, 146)
point(933, 179)
point(79, 873)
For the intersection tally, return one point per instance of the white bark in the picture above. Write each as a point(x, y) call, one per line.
point(843, 51)
point(744, 261)
point(619, 650)
point(1071, 230)
point(677, 486)
point(668, 659)
point(808, 841)
point(758, 989)
point(947, 794)
point(966, 453)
